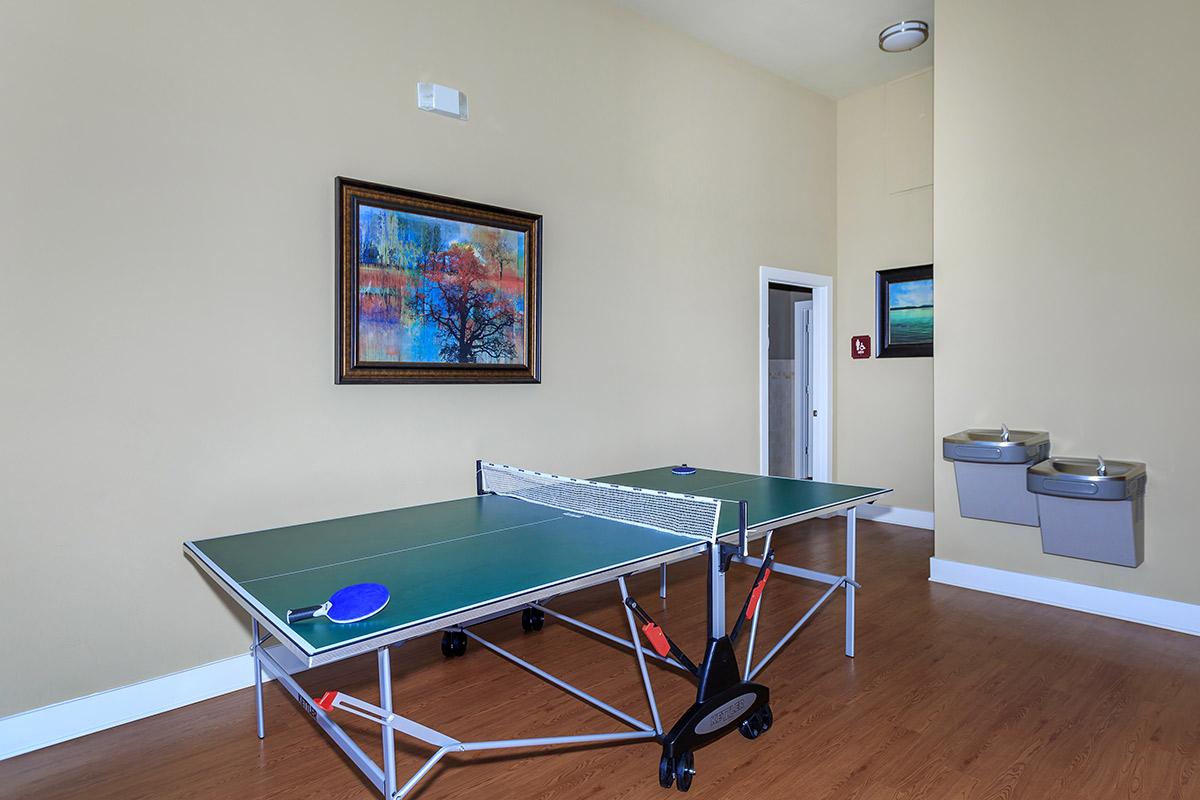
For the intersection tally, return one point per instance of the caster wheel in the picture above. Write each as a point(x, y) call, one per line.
point(765, 718)
point(666, 772)
point(757, 723)
point(454, 643)
point(685, 768)
point(749, 727)
point(532, 619)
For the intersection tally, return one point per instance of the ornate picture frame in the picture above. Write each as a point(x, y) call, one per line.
point(435, 290)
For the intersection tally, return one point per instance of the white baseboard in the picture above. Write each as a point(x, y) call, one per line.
point(1157, 611)
point(42, 727)
point(895, 515)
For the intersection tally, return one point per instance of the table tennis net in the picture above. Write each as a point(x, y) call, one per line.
point(666, 511)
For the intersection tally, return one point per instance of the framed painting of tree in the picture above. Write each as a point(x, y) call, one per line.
point(435, 290)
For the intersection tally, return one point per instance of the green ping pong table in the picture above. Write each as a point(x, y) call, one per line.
point(525, 538)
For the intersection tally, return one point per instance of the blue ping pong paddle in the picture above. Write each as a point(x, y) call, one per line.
point(683, 469)
point(351, 604)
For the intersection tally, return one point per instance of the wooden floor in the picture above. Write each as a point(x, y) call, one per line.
point(954, 694)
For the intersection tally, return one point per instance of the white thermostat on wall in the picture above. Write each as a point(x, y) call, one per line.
point(441, 100)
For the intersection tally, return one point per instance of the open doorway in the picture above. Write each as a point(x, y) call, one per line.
point(789, 380)
point(795, 317)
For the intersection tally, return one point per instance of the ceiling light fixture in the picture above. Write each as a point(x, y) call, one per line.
point(903, 36)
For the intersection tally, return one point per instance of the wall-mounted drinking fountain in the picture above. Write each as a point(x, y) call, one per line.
point(1091, 508)
point(990, 466)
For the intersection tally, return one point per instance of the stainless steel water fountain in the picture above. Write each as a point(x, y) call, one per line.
point(989, 467)
point(1092, 508)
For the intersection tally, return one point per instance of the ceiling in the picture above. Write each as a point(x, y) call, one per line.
point(829, 46)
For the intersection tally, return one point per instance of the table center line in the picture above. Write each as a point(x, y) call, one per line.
point(401, 550)
point(733, 483)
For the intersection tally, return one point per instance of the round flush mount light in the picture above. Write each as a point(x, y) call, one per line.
point(903, 36)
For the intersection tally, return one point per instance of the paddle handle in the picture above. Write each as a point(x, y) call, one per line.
point(308, 612)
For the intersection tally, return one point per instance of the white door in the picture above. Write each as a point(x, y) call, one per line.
point(803, 402)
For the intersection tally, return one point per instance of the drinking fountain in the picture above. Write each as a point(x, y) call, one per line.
point(989, 468)
point(1091, 508)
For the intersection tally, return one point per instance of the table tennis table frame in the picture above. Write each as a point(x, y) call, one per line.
point(766, 531)
point(846, 581)
point(384, 778)
point(720, 555)
point(265, 627)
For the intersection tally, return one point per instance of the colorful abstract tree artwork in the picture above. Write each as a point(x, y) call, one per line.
point(439, 293)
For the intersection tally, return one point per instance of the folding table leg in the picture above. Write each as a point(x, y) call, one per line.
point(389, 737)
point(641, 658)
point(754, 619)
point(662, 581)
point(256, 642)
point(716, 593)
point(851, 557)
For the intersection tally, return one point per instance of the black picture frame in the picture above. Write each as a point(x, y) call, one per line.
point(351, 368)
point(885, 280)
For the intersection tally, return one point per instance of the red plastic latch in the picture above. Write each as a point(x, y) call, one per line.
point(658, 639)
point(325, 701)
point(756, 595)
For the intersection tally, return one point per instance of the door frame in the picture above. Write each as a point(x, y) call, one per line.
point(802, 405)
point(821, 368)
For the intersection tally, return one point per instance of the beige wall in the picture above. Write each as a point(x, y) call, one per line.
point(166, 335)
point(884, 409)
point(1066, 252)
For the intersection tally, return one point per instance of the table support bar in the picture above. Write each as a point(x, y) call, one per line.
point(361, 760)
point(603, 634)
point(787, 637)
point(757, 608)
point(504, 744)
point(560, 683)
point(641, 659)
point(792, 571)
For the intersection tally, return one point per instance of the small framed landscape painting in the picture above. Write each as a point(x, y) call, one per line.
point(904, 298)
point(435, 290)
